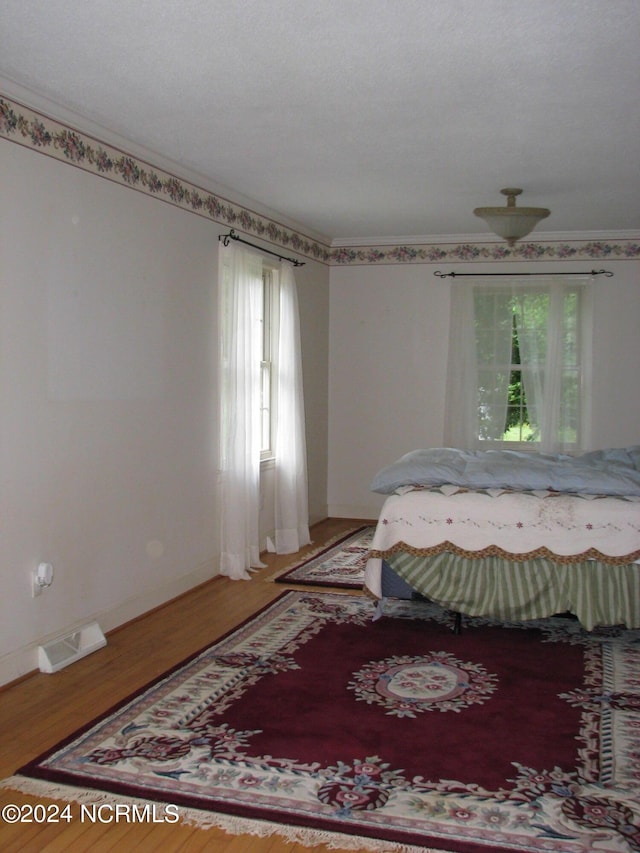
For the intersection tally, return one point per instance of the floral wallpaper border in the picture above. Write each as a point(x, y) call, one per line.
point(47, 136)
point(488, 252)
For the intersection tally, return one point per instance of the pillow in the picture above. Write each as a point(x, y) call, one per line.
point(613, 471)
point(435, 467)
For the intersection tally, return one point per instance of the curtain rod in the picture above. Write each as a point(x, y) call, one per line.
point(608, 274)
point(233, 236)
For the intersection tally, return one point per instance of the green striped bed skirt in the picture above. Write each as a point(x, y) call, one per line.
point(597, 593)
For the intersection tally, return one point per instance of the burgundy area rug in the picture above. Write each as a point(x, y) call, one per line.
point(312, 721)
point(340, 565)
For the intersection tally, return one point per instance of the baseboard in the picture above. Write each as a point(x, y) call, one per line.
point(24, 661)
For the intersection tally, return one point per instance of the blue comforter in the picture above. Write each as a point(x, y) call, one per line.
point(602, 472)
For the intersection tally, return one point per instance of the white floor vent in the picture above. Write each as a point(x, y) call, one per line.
point(65, 650)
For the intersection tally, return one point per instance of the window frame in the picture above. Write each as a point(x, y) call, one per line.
point(269, 360)
point(486, 350)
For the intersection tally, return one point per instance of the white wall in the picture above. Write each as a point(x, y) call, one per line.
point(107, 391)
point(107, 399)
point(389, 334)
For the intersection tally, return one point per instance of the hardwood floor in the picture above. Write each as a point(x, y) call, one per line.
point(40, 710)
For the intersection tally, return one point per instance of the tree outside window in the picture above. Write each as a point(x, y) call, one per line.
point(517, 373)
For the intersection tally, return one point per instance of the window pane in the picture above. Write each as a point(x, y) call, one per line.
point(514, 389)
point(268, 368)
point(519, 377)
point(265, 406)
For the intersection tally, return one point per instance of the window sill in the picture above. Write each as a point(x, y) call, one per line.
point(267, 463)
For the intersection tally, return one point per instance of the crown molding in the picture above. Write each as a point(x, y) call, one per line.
point(46, 108)
point(96, 150)
point(589, 246)
point(484, 238)
point(57, 112)
point(79, 142)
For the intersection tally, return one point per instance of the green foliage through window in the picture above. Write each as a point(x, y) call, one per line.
point(515, 351)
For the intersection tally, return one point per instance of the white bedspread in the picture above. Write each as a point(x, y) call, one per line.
point(502, 523)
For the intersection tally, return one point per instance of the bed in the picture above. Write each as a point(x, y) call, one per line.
point(511, 535)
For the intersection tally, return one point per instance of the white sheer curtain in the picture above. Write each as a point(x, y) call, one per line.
point(239, 466)
point(478, 365)
point(553, 321)
point(548, 342)
point(291, 497)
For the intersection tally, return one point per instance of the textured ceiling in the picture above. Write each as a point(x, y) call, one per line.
point(359, 118)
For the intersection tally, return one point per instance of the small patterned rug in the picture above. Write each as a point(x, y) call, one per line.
point(339, 565)
point(313, 722)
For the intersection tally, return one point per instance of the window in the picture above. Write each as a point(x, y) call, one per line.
point(269, 321)
point(261, 408)
point(519, 365)
point(265, 314)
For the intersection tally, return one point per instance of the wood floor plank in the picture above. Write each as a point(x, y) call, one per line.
point(42, 709)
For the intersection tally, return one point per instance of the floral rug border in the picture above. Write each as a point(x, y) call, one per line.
point(551, 809)
point(325, 548)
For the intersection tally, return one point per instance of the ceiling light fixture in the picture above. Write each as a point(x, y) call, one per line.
point(511, 222)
